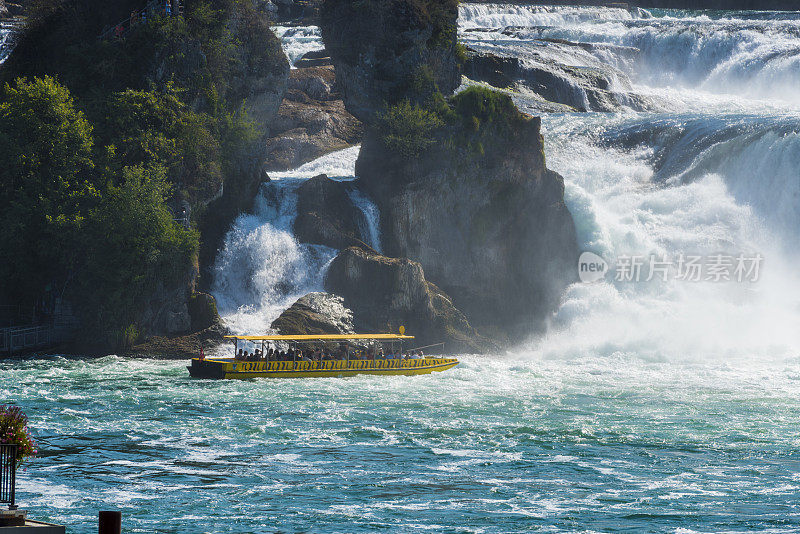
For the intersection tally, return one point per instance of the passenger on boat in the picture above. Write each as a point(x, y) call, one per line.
point(239, 355)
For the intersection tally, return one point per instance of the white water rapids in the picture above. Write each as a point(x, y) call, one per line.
point(712, 169)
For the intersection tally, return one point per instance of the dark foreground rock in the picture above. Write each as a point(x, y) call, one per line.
point(385, 293)
point(315, 313)
point(179, 347)
point(202, 327)
point(327, 216)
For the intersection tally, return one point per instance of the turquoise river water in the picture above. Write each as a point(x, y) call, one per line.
point(510, 444)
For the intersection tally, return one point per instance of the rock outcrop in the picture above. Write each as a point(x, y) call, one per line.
point(379, 47)
point(385, 293)
point(461, 183)
point(311, 121)
point(594, 86)
point(491, 228)
point(296, 11)
point(327, 216)
point(315, 313)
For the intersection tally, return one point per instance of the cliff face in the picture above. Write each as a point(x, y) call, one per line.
point(491, 229)
point(461, 183)
point(311, 121)
point(379, 46)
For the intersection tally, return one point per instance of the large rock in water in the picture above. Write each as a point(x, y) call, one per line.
point(385, 293)
point(486, 219)
point(327, 216)
point(315, 313)
point(461, 183)
point(378, 47)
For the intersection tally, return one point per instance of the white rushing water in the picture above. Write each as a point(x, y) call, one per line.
point(262, 269)
point(711, 170)
point(750, 54)
point(717, 176)
point(299, 40)
point(620, 210)
point(6, 30)
point(370, 225)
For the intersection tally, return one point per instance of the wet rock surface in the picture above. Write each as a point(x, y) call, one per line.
point(326, 215)
point(315, 314)
point(311, 122)
point(590, 87)
point(385, 293)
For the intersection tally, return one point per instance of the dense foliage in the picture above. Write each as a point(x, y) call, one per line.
point(408, 129)
point(471, 120)
point(90, 223)
point(107, 145)
point(46, 184)
point(14, 430)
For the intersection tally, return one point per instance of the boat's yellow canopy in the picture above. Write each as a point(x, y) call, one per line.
point(328, 337)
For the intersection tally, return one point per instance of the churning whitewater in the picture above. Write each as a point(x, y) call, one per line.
point(655, 403)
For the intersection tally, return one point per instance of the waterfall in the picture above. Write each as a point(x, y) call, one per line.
point(297, 41)
point(262, 268)
point(620, 210)
point(6, 35)
point(505, 15)
point(711, 171)
point(371, 223)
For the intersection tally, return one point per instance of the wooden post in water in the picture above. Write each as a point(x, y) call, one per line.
point(110, 522)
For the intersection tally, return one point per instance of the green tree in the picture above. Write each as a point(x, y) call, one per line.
point(408, 128)
point(133, 246)
point(46, 186)
point(157, 128)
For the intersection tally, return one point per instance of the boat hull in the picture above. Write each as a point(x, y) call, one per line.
point(232, 369)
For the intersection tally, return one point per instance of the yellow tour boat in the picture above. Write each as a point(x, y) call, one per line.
point(400, 364)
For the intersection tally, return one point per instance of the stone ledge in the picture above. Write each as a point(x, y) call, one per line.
point(34, 527)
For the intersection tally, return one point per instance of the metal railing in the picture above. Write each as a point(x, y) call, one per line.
point(153, 8)
point(8, 474)
point(24, 338)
